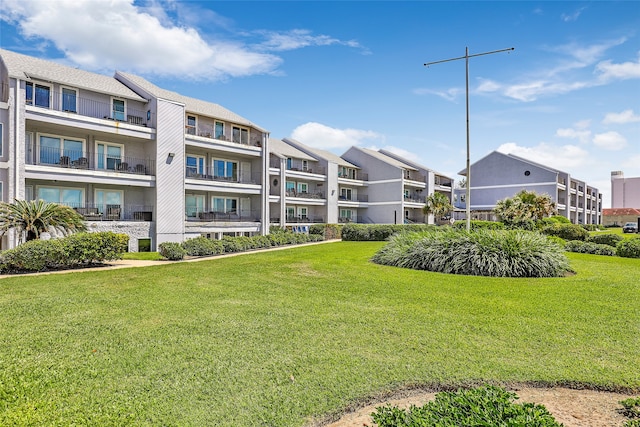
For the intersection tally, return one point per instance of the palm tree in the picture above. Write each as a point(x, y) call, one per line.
point(437, 204)
point(524, 206)
point(37, 216)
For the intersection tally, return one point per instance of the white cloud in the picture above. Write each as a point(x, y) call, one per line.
point(627, 116)
point(321, 136)
point(623, 71)
point(298, 38)
point(565, 157)
point(573, 16)
point(612, 141)
point(449, 95)
point(581, 135)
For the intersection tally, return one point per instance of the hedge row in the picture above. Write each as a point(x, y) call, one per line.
point(73, 251)
point(589, 248)
point(202, 246)
point(379, 232)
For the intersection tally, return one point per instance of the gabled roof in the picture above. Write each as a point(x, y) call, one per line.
point(411, 162)
point(29, 68)
point(463, 172)
point(382, 157)
point(192, 105)
point(320, 154)
point(284, 150)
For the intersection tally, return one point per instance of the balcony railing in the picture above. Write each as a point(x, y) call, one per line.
point(209, 131)
point(414, 199)
point(305, 194)
point(92, 108)
point(88, 160)
point(113, 212)
point(215, 216)
point(209, 174)
point(352, 174)
point(359, 198)
point(414, 176)
point(442, 182)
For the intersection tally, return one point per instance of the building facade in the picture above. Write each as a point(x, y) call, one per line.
point(498, 176)
point(625, 192)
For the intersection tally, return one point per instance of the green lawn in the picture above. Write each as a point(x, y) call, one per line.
point(279, 338)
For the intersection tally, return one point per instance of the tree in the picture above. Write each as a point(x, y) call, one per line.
point(524, 207)
point(37, 216)
point(437, 204)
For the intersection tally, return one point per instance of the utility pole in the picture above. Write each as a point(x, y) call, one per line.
point(466, 58)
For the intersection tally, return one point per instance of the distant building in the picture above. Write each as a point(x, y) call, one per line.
point(625, 192)
point(498, 176)
point(617, 217)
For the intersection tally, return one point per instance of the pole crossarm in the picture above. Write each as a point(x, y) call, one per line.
point(468, 167)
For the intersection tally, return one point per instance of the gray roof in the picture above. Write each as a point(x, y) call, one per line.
point(463, 172)
point(29, 68)
point(192, 105)
point(411, 163)
point(282, 149)
point(390, 160)
point(322, 154)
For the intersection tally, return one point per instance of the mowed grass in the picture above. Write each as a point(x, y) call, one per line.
point(285, 337)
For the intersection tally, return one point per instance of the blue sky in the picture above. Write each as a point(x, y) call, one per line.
point(336, 74)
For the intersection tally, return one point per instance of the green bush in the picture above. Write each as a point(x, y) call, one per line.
point(631, 410)
point(589, 248)
point(478, 224)
point(328, 231)
point(172, 251)
point(566, 231)
point(557, 240)
point(378, 232)
point(605, 239)
point(629, 248)
point(498, 253)
point(79, 249)
point(202, 246)
point(482, 406)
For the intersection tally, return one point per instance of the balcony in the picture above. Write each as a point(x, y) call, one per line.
point(91, 108)
point(304, 219)
point(353, 174)
point(215, 216)
point(209, 174)
point(414, 199)
point(442, 182)
point(113, 212)
point(87, 160)
point(359, 198)
point(305, 194)
point(414, 176)
point(209, 131)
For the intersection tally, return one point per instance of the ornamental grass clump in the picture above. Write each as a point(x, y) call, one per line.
point(497, 253)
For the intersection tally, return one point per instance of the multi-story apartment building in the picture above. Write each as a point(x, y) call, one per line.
point(625, 192)
point(128, 155)
point(397, 188)
point(498, 176)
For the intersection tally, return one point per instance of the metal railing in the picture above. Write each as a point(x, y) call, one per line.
point(209, 131)
point(414, 199)
point(359, 198)
point(353, 174)
point(414, 176)
point(209, 174)
point(304, 219)
point(112, 212)
point(305, 194)
point(92, 108)
point(215, 216)
point(36, 154)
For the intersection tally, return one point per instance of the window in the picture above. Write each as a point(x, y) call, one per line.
point(305, 165)
point(219, 130)
point(118, 109)
point(191, 125)
point(225, 169)
point(346, 214)
point(291, 187)
point(240, 135)
point(289, 163)
point(302, 212)
point(291, 212)
point(38, 95)
point(56, 150)
point(109, 156)
point(110, 202)
point(73, 197)
point(303, 187)
point(346, 194)
point(194, 204)
point(195, 165)
point(407, 194)
point(223, 205)
point(144, 245)
point(69, 100)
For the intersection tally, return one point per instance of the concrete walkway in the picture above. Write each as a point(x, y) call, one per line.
point(130, 263)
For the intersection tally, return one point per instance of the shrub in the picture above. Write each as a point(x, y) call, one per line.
point(498, 253)
point(478, 224)
point(566, 231)
point(589, 248)
point(631, 410)
point(328, 231)
point(589, 227)
point(172, 251)
point(605, 239)
point(92, 248)
point(202, 246)
point(378, 232)
point(629, 248)
point(557, 240)
point(482, 406)
point(261, 241)
point(34, 255)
